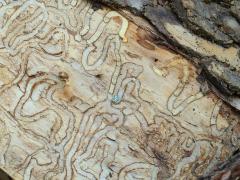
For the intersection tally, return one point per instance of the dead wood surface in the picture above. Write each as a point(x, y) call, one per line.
point(207, 32)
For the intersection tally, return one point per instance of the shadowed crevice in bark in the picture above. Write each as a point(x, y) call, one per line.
point(4, 176)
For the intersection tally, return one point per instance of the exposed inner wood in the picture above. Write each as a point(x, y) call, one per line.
point(206, 32)
point(85, 93)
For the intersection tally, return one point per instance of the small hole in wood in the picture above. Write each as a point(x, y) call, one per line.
point(99, 76)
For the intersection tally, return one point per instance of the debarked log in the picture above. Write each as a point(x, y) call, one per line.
point(207, 32)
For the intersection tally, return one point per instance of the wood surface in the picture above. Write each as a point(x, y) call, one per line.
point(86, 94)
point(207, 32)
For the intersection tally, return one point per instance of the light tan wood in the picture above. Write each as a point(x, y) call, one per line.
point(86, 95)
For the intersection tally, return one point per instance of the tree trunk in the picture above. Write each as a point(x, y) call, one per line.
point(92, 91)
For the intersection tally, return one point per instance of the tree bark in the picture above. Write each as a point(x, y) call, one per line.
point(88, 92)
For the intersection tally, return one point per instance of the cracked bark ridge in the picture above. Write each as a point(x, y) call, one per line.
point(210, 20)
point(205, 31)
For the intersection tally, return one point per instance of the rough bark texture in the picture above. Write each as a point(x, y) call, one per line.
point(204, 30)
point(87, 94)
